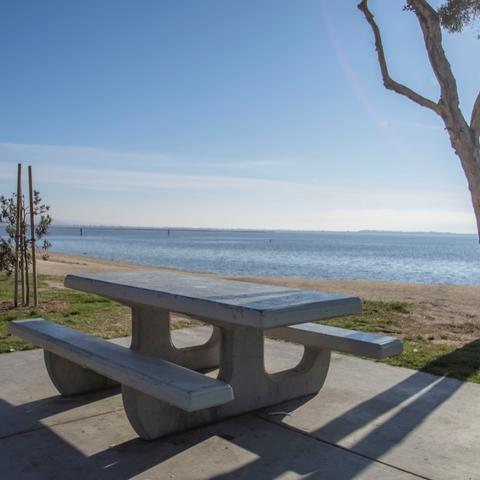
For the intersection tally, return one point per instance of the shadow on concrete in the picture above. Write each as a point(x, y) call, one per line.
point(51, 456)
point(19, 419)
point(414, 399)
point(463, 363)
point(45, 453)
point(409, 402)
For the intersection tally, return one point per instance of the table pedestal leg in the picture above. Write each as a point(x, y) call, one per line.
point(151, 335)
point(242, 366)
point(72, 379)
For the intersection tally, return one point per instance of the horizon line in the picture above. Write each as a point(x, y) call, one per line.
point(247, 229)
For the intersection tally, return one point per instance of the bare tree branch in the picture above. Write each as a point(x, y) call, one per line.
point(387, 80)
point(475, 120)
point(429, 21)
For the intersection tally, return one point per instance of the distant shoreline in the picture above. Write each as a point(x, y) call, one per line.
point(255, 230)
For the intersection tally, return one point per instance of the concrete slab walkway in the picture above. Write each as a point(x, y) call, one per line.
point(370, 421)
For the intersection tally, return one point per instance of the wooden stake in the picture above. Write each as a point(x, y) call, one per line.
point(22, 249)
point(32, 232)
point(17, 234)
point(25, 256)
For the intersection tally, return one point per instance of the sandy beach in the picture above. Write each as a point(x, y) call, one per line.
point(447, 312)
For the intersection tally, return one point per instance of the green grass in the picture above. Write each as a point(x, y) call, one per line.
point(443, 359)
point(108, 319)
point(420, 353)
point(379, 317)
point(82, 311)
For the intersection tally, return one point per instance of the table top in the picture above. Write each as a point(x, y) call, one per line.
point(222, 301)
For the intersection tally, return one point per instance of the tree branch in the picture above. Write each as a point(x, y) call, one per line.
point(475, 120)
point(387, 80)
point(429, 21)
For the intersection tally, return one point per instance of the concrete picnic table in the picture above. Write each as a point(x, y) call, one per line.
point(162, 388)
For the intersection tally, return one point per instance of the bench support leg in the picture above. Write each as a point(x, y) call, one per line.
point(151, 335)
point(242, 366)
point(72, 379)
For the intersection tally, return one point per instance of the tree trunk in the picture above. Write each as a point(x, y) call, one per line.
point(475, 176)
point(470, 158)
point(465, 144)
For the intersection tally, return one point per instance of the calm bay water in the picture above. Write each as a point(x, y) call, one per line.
point(419, 258)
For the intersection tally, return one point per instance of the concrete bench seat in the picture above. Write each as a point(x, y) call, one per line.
point(338, 339)
point(173, 384)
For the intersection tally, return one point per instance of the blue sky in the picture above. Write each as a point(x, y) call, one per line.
point(229, 114)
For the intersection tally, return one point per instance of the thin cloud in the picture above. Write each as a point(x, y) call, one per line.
point(128, 179)
point(83, 155)
point(245, 164)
